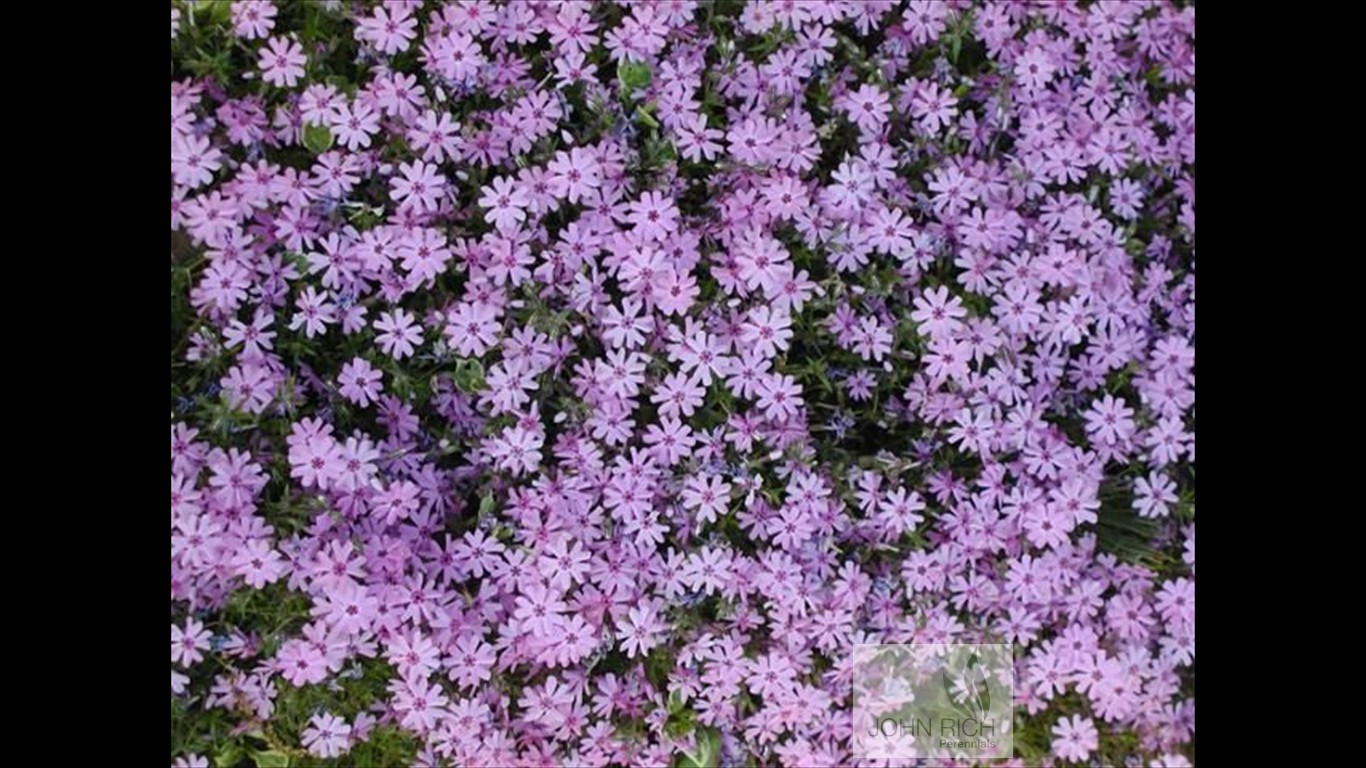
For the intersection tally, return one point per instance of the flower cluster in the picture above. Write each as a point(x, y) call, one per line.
point(570, 383)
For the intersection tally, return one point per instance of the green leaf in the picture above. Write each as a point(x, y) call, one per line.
point(1120, 531)
point(217, 11)
point(317, 138)
point(487, 504)
point(469, 375)
point(644, 117)
point(228, 756)
point(633, 74)
point(270, 759)
point(676, 702)
point(707, 753)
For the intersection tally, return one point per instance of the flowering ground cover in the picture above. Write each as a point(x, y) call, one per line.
point(568, 383)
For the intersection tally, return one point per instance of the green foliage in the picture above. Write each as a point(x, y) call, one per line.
point(317, 138)
point(270, 758)
point(469, 375)
point(633, 75)
point(705, 754)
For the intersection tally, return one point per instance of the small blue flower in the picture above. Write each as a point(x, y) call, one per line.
point(692, 598)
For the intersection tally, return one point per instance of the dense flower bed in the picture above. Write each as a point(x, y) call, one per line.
point(573, 384)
